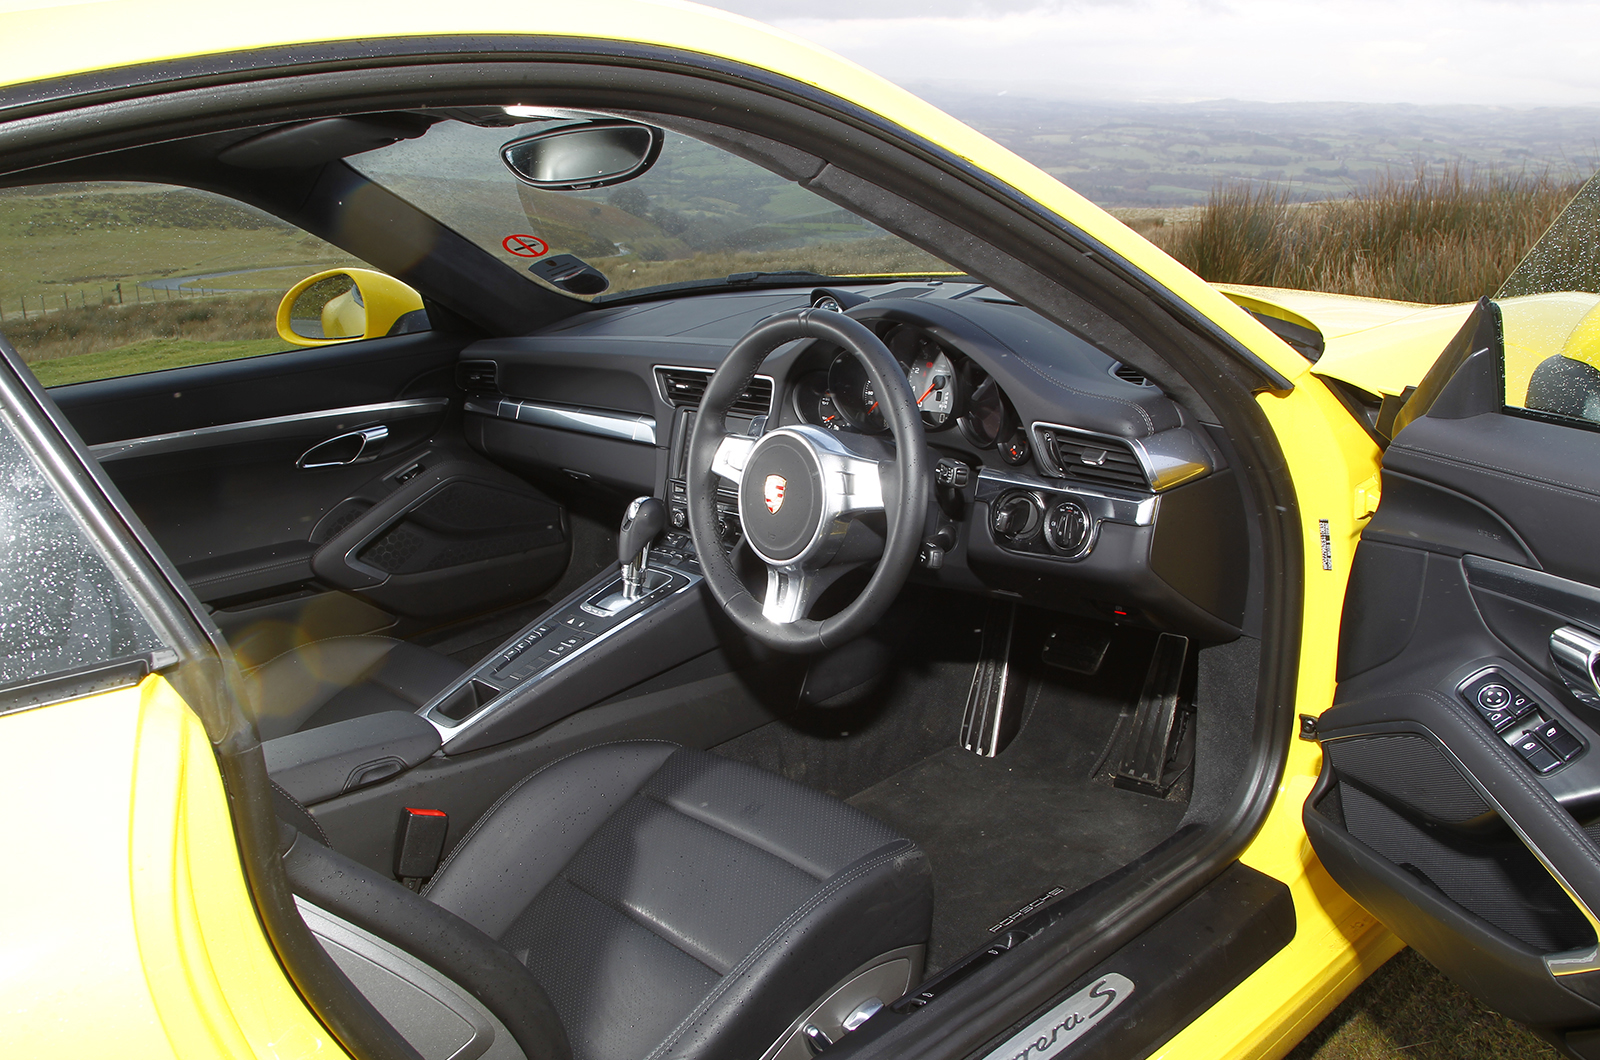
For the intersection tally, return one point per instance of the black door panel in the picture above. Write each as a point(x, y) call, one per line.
point(1460, 794)
point(1542, 480)
point(210, 457)
point(228, 510)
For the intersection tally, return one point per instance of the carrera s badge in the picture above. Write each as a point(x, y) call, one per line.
point(773, 492)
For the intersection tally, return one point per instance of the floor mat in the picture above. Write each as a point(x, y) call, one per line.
point(1043, 813)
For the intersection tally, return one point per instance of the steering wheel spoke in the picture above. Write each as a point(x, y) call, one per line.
point(790, 591)
point(733, 453)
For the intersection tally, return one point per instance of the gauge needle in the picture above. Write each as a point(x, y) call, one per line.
point(931, 388)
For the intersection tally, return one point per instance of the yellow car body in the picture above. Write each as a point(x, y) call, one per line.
point(141, 940)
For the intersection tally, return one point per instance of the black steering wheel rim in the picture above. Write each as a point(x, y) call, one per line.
point(905, 513)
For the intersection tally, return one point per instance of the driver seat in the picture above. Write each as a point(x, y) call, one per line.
point(638, 901)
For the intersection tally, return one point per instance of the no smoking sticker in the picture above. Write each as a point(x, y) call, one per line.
point(524, 246)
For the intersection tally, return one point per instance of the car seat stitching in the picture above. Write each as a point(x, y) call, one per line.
point(706, 822)
point(1556, 485)
point(301, 807)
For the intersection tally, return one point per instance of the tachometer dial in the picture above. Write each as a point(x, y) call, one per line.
point(931, 373)
point(933, 380)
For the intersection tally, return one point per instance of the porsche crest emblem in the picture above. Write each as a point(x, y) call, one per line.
point(772, 492)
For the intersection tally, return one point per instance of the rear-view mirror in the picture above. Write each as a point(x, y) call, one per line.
point(595, 154)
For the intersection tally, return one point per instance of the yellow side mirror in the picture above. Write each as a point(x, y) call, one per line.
point(344, 304)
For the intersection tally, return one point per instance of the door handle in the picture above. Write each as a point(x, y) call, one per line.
point(1577, 658)
point(344, 448)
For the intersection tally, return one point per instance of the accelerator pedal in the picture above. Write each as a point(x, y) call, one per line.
point(1147, 764)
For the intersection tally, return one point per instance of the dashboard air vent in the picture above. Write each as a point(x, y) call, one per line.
point(683, 388)
point(1129, 374)
point(478, 376)
point(1093, 461)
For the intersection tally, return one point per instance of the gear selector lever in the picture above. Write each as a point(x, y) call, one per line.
point(641, 524)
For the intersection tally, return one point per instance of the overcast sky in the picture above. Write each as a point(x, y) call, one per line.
point(1519, 53)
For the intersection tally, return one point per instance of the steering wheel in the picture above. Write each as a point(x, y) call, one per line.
point(810, 499)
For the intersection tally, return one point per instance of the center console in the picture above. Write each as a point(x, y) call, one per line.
point(522, 674)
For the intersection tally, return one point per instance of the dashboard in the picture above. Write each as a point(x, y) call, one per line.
point(1063, 478)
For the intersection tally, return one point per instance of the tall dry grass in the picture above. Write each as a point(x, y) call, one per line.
point(1441, 236)
point(70, 332)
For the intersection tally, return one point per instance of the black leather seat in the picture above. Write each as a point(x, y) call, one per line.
point(670, 903)
point(330, 680)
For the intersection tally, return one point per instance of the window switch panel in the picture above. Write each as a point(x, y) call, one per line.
point(1536, 754)
point(1558, 739)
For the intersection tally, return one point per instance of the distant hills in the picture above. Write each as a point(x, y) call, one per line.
point(1171, 154)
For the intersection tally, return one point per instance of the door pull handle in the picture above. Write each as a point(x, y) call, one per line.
point(342, 449)
point(1576, 654)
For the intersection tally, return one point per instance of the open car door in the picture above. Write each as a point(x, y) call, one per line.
point(1459, 799)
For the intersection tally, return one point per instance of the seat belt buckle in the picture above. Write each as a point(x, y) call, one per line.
point(419, 844)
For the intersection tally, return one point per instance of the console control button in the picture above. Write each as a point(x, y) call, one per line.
point(566, 645)
point(1559, 740)
point(1494, 697)
point(1499, 720)
point(1536, 754)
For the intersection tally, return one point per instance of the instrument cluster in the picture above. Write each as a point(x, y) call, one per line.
point(952, 391)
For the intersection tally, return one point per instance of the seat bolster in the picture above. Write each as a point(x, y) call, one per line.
point(536, 828)
point(438, 938)
point(883, 902)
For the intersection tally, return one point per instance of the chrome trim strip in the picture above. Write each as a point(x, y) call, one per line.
point(1134, 510)
point(1168, 458)
point(628, 426)
point(270, 429)
point(657, 369)
point(1576, 653)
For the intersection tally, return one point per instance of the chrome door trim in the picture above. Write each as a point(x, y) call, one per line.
point(627, 426)
point(273, 428)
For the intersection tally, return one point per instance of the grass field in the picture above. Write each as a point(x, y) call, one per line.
point(1441, 236)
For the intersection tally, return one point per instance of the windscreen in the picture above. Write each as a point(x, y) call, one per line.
point(700, 213)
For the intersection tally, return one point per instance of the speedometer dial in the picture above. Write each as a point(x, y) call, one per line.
point(854, 395)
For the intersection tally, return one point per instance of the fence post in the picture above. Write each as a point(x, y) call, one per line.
point(24, 307)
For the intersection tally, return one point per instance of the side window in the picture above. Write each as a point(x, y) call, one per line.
point(63, 613)
point(1550, 317)
point(109, 279)
point(1552, 361)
